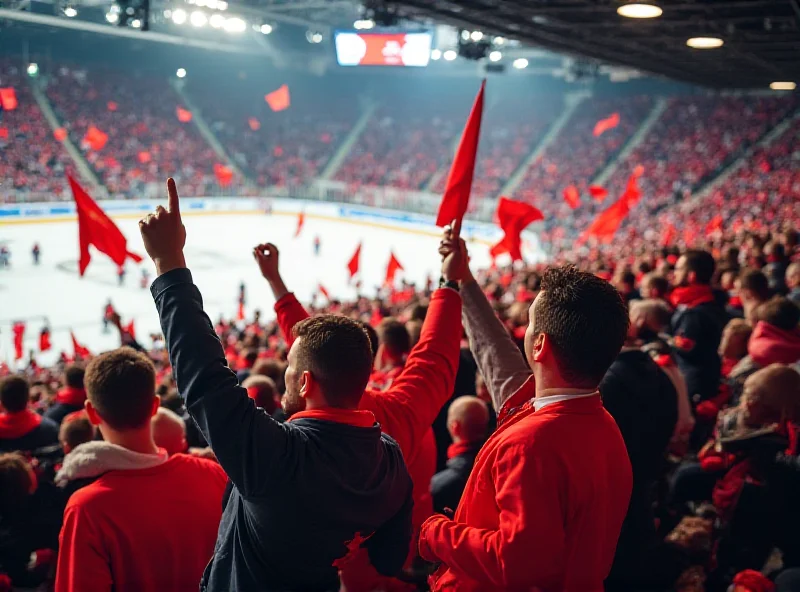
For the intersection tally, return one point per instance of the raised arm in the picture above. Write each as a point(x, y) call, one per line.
point(246, 440)
point(287, 307)
point(499, 360)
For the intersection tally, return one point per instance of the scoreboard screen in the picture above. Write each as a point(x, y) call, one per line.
point(355, 48)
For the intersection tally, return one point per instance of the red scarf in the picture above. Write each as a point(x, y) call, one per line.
point(16, 425)
point(71, 396)
point(458, 448)
point(691, 296)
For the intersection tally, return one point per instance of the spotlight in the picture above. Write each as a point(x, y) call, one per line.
point(495, 56)
point(436, 54)
point(235, 25)
point(112, 17)
point(476, 36)
point(465, 35)
point(705, 42)
point(520, 63)
point(198, 18)
point(313, 36)
point(450, 55)
point(33, 69)
point(499, 40)
point(640, 10)
point(181, 73)
point(217, 20)
point(70, 12)
point(179, 16)
point(136, 23)
point(364, 24)
point(266, 28)
point(787, 85)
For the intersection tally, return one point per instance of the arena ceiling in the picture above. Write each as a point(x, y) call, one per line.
point(761, 37)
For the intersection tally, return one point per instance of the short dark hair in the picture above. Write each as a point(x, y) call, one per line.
point(586, 321)
point(14, 393)
point(73, 375)
point(701, 263)
point(394, 336)
point(658, 283)
point(15, 482)
point(756, 282)
point(336, 351)
point(374, 342)
point(120, 385)
point(780, 312)
point(77, 431)
point(628, 278)
point(273, 369)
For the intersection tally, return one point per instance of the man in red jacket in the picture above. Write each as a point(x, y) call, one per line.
point(543, 507)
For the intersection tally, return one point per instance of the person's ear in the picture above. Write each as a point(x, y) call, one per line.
point(156, 405)
point(692, 277)
point(94, 417)
point(541, 346)
point(306, 384)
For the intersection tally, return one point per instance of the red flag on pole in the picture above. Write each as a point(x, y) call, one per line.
point(223, 174)
point(323, 291)
point(632, 192)
point(79, 350)
point(353, 264)
point(96, 228)
point(8, 99)
point(513, 217)
point(130, 329)
point(184, 115)
point(279, 99)
point(301, 219)
point(606, 124)
point(95, 137)
point(598, 193)
point(605, 225)
point(459, 180)
point(571, 196)
point(19, 333)
point(392, 268)
point(44, 340)
point(240, 312)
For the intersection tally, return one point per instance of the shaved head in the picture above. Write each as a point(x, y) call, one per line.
point(467, 419)
point(169, 431)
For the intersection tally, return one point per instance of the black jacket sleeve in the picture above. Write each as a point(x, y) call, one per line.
point(388, 547)
point(245, 439)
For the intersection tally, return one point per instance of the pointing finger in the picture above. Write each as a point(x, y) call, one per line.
point(174, 205)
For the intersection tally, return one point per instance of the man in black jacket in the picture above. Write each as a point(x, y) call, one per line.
point(697, 324)
point(307, 493)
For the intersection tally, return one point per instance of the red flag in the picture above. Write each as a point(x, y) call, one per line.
point(353, 264)
point(44, 340)
point(130, 329)
point(632, 193)
point(254, 124)
point(301, 219)
point(607, 222)
point(669, 235)
point(112, 106)
point(278, 100)
point(597, 193)
point(459, 180)
point(323, 291)
point(392, 268)
point(571, 196)
point(60, 134)
point(144, 157)
point(79, 350)
point(96, 228)
point(714, 225)
point(223, 173)
point(513, 217)
point(240, 312)
point(8, 99)
point(606, 124)
point(3, 133)
point(184, 115)
point(19, 333)
point(95, 138)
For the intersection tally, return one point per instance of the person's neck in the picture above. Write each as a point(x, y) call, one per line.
point(136, 440)
point(551, 386)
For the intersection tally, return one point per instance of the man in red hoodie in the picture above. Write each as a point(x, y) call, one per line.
point(544, 505)
point(70, 398)
point(148, 521)
point(20, 427)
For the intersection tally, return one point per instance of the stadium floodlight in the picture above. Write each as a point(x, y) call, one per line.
point(783, 85)
point(436, 54)
point(70, 11)
point(179, 16)
point(495, 56)
point(181, 73)
point(465, 35)
point(33, 69)
point(266, 28)
point(235, 25)
point(136, 23)
point(476, 36)
point(640, 10)
point(313, 36)
point(217, 20)
point(198, 18)
point(499, 40)
point(520, 63)
point(450, 55)
point(705, 42)
point(112, 17)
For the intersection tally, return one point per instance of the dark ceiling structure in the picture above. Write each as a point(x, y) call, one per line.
point(761, 37)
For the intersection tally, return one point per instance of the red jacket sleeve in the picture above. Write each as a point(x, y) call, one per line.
point(82, 563)
point(290, 312)
point(527, 548)
point(407, 409)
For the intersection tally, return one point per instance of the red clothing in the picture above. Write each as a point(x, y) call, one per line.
point(770, 345)
point(16, 425)
point(543, 506)
point(71, 396)
point(142, 530)
point(691, 296)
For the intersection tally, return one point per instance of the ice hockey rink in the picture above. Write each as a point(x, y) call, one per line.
point(218, 252)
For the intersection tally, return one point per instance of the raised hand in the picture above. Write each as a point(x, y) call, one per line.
point(455, 258)
point(267, 256)
point(164, 235)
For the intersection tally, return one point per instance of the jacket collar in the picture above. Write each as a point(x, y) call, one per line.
point(92, 459)
point(691, 296)
point(16, 425)
point(358, 418)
